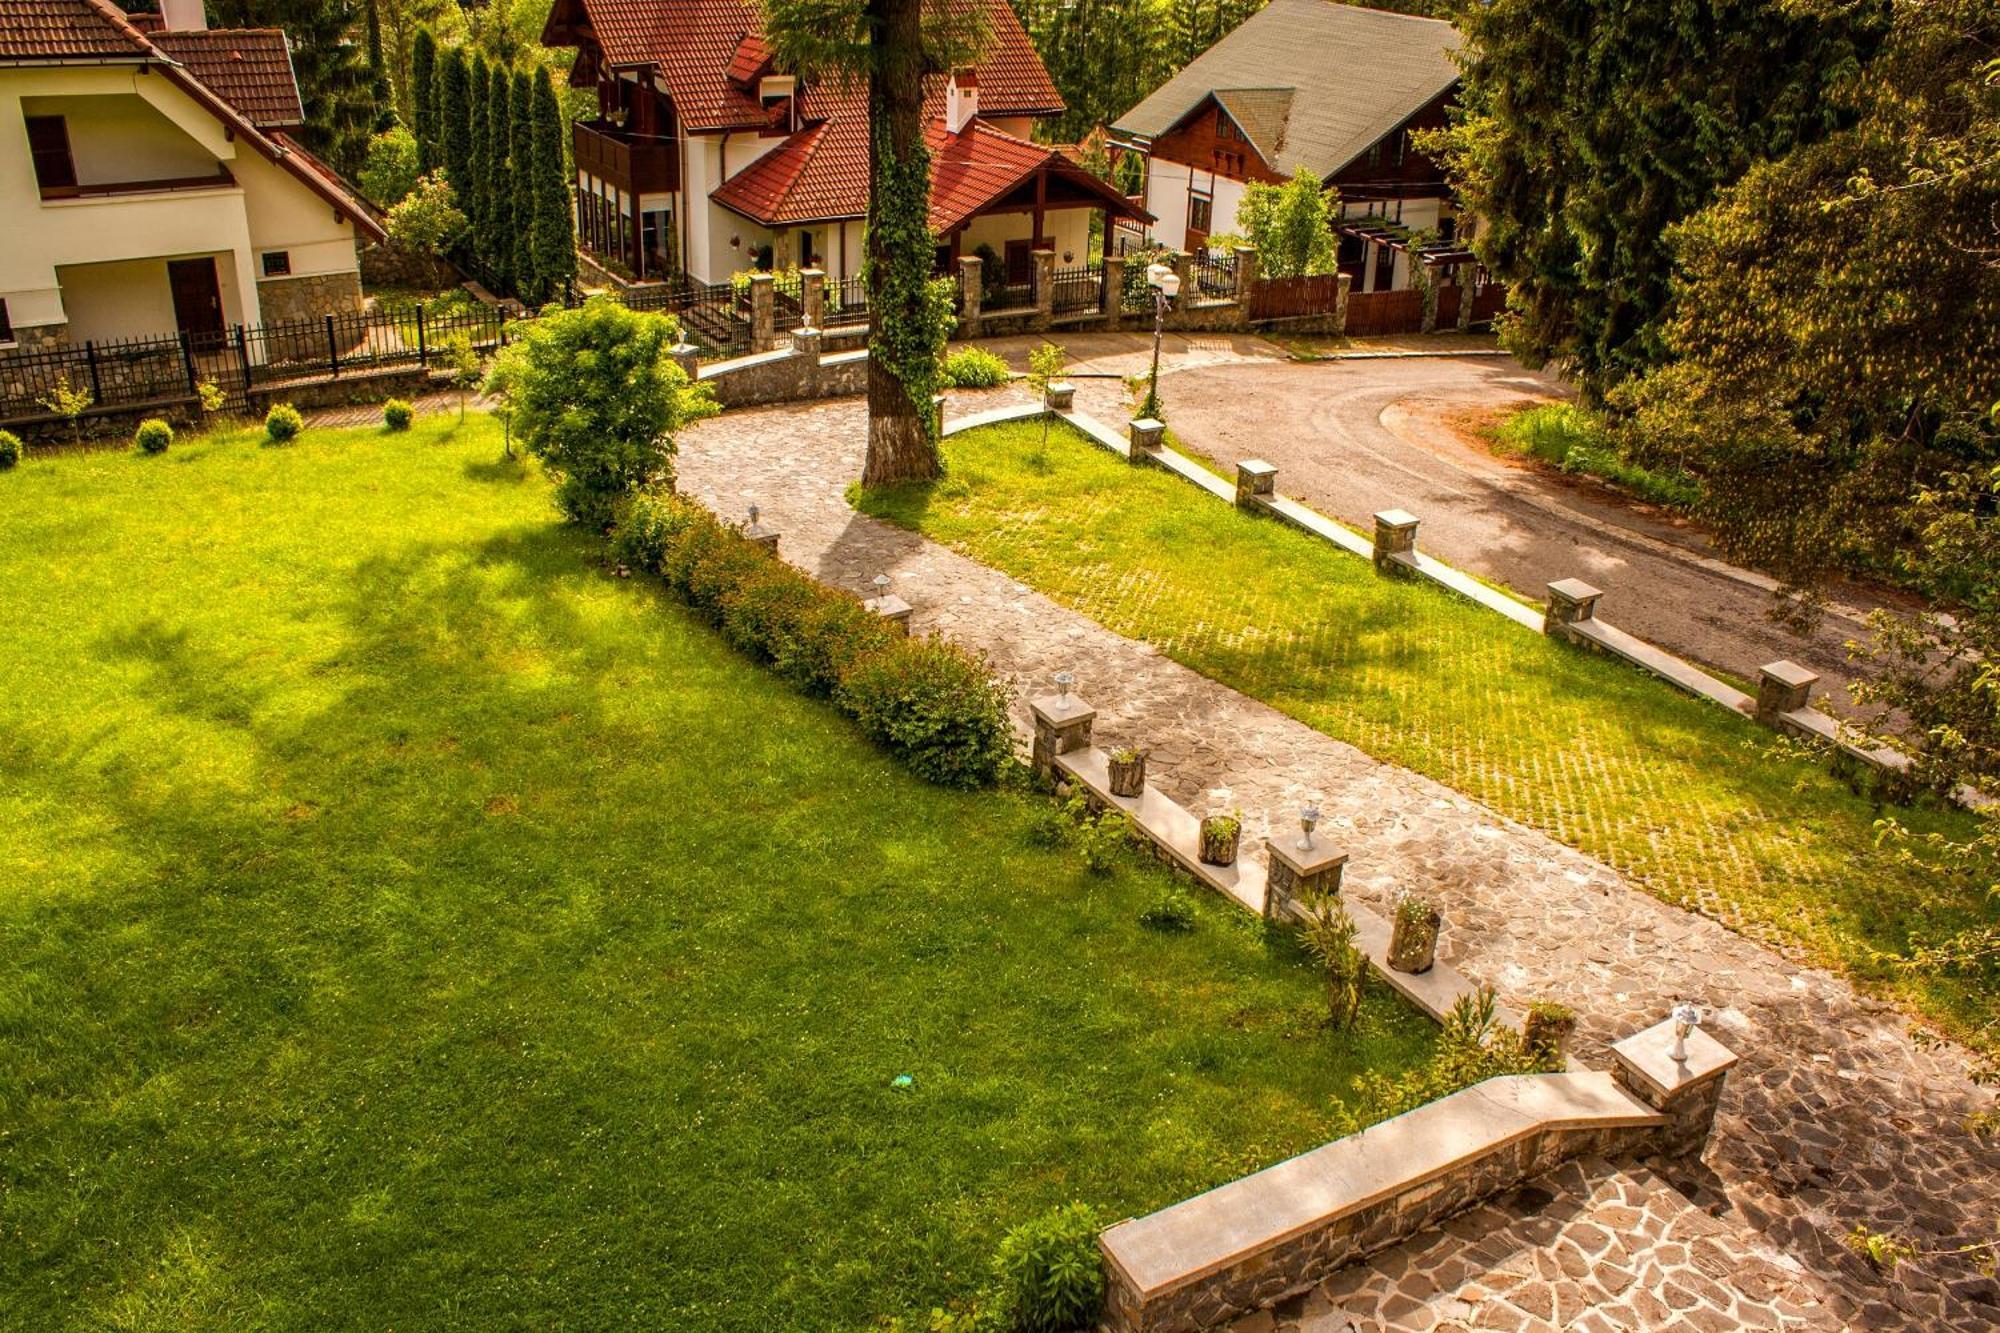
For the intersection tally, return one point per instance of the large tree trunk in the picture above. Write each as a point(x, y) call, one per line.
point(901, 446)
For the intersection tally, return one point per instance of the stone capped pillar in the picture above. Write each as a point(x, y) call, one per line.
point(1045, 289)
point(812, 296)
point(688, 357)
point(1686, 1089)
point(806, 344)
point(1062, 724)
point(1570, 601)
point(1060, 396)
point(971, 284)
point(1246, 272)
point(1783, 687)
point(1430, 322)
point(1111, 300)
point(763, 312)
point(1147, 435)
point(1256, 481)
point(1296, 875)
point(1466, 288)
point(1340, 306)
point(1395, 534)
point(758, 533)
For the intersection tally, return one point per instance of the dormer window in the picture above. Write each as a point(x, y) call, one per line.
point(776, 88)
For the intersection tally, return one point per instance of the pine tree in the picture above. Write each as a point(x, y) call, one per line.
point(521, 159)
point(455, 121)
point(554, 224)
point(472, 190)
point(496, 242)
point(423, 99)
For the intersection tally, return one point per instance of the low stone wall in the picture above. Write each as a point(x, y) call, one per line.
point(1247, 1245)
point(791, 374)
point(365, 386)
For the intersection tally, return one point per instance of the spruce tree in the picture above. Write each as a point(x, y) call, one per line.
point(455, 121)
point(472, 190)
point(423, 99)
point(334, 80)
point(554, 225)
point(496, 242)
point(521, 160)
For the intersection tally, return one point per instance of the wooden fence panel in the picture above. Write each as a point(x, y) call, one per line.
point(1385, 312)
point(1294, 298)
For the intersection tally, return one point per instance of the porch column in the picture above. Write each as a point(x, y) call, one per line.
point(970, 282)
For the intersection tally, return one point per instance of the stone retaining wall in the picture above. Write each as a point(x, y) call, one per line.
point(283, 300)
point(788, 375)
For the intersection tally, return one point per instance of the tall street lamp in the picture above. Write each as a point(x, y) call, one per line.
point(1166, 285)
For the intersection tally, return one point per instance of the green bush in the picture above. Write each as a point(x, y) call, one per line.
point(834, 633)
point(647, 525)
point(1048, 1275)
point(10, 449)
point(1573, 439)
point(1172, 911)
point(761, 615)
point(936, 706)
point(153, 436)
point(283, 423)
point(397, 414)
point(974, 368)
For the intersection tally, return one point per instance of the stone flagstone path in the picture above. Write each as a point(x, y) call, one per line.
point(1836, 1114)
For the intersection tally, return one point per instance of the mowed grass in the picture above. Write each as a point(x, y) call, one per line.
point(1679, 795)
point(408, 925)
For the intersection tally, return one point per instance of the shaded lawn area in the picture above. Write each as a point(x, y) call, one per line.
point(408, 925)
point(1668, 789)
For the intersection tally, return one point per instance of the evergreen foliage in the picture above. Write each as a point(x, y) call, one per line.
point(334, 81)
point(472, 190)
point(497, 236)
point(553, 224)
point(1585, 131)
point(391, 169)
point(455, 118)
point(1292, 226)
point(521, 157)
point(423, 97)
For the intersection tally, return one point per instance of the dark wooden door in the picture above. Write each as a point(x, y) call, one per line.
point(197, 298)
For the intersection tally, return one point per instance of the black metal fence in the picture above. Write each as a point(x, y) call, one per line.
point(846, 302)
point(131, 372)
point(1078, 289)
point(1215, 273)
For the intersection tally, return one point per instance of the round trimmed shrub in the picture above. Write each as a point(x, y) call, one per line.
point(974, 368)
point(153, 436)
point(1048, 1274)
point(397, 414)
point(283, 423)
point(934, 705)
point(10, 449)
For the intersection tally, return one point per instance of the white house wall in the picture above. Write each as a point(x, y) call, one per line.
point(123, 138)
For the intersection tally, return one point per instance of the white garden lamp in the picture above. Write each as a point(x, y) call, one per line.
point(1166, 285)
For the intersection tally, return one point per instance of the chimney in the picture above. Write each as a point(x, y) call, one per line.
point(183, 15)
point(961, 99)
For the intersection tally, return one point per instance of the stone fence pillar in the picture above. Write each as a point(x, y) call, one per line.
point(1246, 272)
point(1146, 435)
point(1782, 687)
point(1299, 875)
point(758, 534)
point(1465, 290)
point(971, 283)
point(688, 357)
point(1395, 534)
point(806, 344)
point(1111, 301)
point(1045, 289)
point(1340, 306)
point(1570, 601)
point(1430, 324)
point(1183, 264)
point(1256, 481)
point(763, 312)
point(812, 296)
point(1062, 724)
point(1685, 1085)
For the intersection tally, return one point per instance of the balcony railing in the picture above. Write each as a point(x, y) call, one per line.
point(635, 165)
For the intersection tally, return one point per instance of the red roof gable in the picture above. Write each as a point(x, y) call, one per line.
point(820, 174)
point(250, 68)
point(55, 29)
point(696, 43)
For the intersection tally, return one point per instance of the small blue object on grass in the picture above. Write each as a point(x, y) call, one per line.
point(902, 1081)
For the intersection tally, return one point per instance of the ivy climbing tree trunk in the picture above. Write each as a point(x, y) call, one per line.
point(902, 440)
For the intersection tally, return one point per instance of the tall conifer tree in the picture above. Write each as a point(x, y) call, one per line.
point(497, 241)
point(333, 77)
point(455, 120)
point(423, 99)
point(521, 159)
point(554, 224)
point(472, 191)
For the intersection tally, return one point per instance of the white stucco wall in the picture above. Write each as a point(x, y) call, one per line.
point(266, 209)
point(133, 298)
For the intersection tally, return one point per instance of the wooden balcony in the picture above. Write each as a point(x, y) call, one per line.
point(635, 164)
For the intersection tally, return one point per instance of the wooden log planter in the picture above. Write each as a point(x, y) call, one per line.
point(1413, 935)
point(1219, 834)
point(1548, 1026)
point(1127, 768)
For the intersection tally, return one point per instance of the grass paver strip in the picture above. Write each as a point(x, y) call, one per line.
point(408, 925)
point(1665, 788)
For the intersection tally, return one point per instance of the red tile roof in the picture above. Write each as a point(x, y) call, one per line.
point(751, 59)
point(820, 174)
point(695, 44)
point(59, 29)
point(250, 68)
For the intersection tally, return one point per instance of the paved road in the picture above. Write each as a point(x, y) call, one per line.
point(1356, 436)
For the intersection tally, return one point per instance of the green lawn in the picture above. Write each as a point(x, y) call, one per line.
point(1668, 789)
point(409, 926)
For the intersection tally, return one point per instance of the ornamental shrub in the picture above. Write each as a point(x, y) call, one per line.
point(974, 368)
point(10, 449)
point(936, 706)
point(1048, 1275)
point(283, 423)
point(397, 414)
point(826, 642)
point(153, 436)
point(762, 615)
point(647, 524)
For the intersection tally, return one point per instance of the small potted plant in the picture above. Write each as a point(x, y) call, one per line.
point(1413, 937)
point(1548, 1027)
point(1128, 771)
point(1219, 834)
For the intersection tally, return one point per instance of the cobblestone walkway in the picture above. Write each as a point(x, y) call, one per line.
point(1835, 1116)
